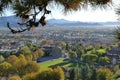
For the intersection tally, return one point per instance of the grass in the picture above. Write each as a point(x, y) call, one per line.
point(54, 63)
point(45, 65)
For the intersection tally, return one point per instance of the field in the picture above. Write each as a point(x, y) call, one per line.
point(54, 63)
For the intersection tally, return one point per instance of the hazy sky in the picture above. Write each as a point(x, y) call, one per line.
point(89, 15)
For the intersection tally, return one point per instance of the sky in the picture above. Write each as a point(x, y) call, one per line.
point(89, 15)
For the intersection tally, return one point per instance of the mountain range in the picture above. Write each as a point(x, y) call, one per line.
point(54, 22)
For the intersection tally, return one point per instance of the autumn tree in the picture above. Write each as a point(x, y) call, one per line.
point(31, 51)
point(51, 74)
point(28, 10)
point(23, 67)
point(31, 76)
point(31, 46)
point(15, 78)
point(12, 59)
point(37, 54)
point(20, 65)
point(104, 74)
point(31, 67)
point(25, 50)
point(5, 69)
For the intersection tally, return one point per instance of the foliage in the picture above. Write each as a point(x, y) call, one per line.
point(25, 50)
point(20, 65)
point(63, 44)
point(32, 46)
point(30, 76)
point(116, 75)
point(72, 48)
point(94, 74)
point(101, 52)
point(104, 61)
point(37, 54)
point(51, 74)
point(12, 59)
point(90, 47)
point(116, 68)
point(80, 51)
point(5, 69)
point(31, 67)
point(72, 74)
point(1, 58)
point(84, 72)
point(90, 58)
point(31, 52)
point(23, 67)
point(15, 78)
point(29, 57)
point(104, 74)
point(72, 54)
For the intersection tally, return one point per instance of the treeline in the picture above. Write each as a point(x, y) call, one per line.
point(23, 65)
point(19, 68)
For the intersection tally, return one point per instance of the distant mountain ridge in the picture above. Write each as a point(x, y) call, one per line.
point(75, 23)
point(11, 19)
point(51, 22)
point(62, 21)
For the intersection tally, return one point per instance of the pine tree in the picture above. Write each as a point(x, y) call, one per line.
point(31, 8)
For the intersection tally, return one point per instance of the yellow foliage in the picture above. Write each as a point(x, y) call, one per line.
point(15, 78)
point(12, 59)
point(30, 76)
point(49, 74)
point(90, 47)
point(104, 74)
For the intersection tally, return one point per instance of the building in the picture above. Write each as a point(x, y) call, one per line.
point(53, 51)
